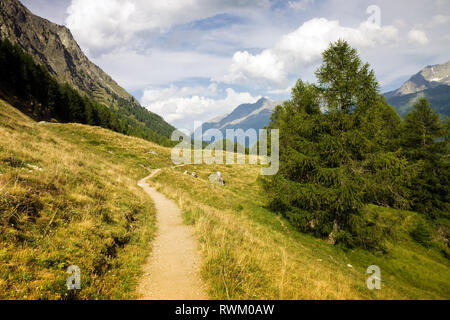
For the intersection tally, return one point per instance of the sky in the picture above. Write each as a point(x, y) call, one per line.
point(195, 60)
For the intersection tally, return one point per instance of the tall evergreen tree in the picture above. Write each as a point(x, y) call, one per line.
point(333, 149)
point(424, 142)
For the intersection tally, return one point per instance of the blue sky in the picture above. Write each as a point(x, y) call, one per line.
point(199, 59)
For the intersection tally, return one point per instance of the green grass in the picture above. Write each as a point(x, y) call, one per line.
point(68, 196)
point(251, 253)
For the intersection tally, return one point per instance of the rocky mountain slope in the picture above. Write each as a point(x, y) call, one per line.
point(246, 116)
point(428, 78)
point(432, 82)
point(54, 47)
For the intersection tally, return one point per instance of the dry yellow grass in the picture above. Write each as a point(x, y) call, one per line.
point(250, 253)
point(68, 196)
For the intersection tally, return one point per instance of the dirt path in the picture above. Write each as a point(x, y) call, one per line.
point(172, 270)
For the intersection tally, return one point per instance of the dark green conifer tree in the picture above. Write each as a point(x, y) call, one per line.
point(424, 141)
point(334, 154)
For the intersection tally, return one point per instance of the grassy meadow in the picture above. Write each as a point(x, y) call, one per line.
point(68, 196)
point(251, 253)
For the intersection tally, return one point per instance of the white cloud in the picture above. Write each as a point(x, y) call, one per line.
point(101, 25)
point(138, 70)
point(439, 20)
point(284, 91)
point(259, 48)
point(302, 47)
point(266, 65)
point(417, 37)
point(182, 106)
point(440, 3)
point(300, 5)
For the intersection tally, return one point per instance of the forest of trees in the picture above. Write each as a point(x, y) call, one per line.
point(31, 88)
point(343, 147)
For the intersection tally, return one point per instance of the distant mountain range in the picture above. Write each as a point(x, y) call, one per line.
point(246, 116)
point(432, 82)
point(54, 47)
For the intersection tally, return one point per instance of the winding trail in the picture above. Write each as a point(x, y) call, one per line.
point(172, 271)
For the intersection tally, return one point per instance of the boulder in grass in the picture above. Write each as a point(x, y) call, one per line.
point(332, 236)
point(217, 178)
point(194, 175)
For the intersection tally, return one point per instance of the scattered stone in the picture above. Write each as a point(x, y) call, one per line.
point(217, 178)
point(332, 236)
point(153, 153)
point(33, 167)
point(194, 175)
point(186, 172)
point(331, 239)
point(42, 122)
point(350, 266)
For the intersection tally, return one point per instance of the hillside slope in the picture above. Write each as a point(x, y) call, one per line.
point(252, 253)
point(54, 47)
point(69, 196)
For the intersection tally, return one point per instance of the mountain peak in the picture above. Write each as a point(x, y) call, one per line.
point(429, 77)
point(245, 116)
point(432, 82)
point(53, 46)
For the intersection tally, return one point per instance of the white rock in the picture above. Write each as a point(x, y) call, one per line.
point(217, 178)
